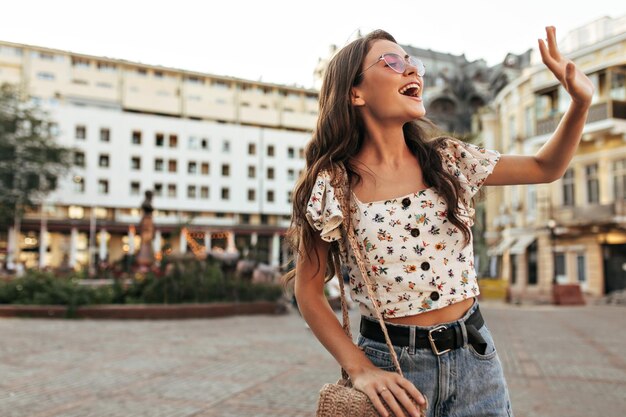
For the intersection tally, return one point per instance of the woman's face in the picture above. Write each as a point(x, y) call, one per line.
point(378, 95)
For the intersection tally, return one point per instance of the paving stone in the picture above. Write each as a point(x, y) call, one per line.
point(559, 361)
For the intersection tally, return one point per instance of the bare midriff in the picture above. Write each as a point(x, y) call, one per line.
point(430, 318)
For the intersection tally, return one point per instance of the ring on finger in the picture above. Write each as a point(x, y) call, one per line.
point(383, 389)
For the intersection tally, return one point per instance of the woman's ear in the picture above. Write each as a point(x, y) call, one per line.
point(356, 98)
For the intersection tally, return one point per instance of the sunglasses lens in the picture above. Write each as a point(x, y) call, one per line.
point(395, 62)
point(417, 63)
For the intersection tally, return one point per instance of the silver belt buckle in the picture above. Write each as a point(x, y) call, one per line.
point(432, 341)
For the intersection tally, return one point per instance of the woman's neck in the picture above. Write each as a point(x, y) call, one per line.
point(384, 147)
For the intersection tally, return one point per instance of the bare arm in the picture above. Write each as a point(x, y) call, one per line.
point(552, 159)
point(365, 376)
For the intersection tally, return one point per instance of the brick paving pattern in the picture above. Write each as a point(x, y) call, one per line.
point(559, 361)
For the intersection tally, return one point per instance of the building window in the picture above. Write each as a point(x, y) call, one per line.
point(289, 195)
point(105, 135)
point(159, 139)
point(581, 270)
point(529, 125)
point(619, 179)
point(171, 165)
point(47, 76)
point(270, 196)
point(192, 142)
point(192, 167)
point(191, 191)
point(79, 159)
point(204, 192)
point(270, 150)
point(225, 193)
point(158, 164)
point(75, 212)
point(204, 144)
point(568, 188)
point(593, 184)
point(173, 141)
point(301, 153)
point(171, 190)
point(79, 185)
point(81, 132)
point(134, 188)
point(225, 170)
point(559, 269)
point(270, 173)
point(251, 148)
point(226, 146)
point(291, 174)
point(136, 139)
point(291, 153)
point(204, 168)
point(103, 161)
point(158, 189)
point(135, 163)
point(251, 194)
point(103, 187)
point(251, 171)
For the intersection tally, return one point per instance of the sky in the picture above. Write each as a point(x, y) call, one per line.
point(281, 41)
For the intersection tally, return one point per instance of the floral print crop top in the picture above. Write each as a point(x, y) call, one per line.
point(412, 252)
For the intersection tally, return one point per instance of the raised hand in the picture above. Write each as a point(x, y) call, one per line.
point(576, 83)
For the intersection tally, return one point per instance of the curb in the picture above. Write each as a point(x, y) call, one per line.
point(143, 311)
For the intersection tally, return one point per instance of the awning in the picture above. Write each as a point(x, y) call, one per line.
point(522, 243)
point(503, 245)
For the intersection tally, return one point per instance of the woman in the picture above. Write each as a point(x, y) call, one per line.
point(410, 204)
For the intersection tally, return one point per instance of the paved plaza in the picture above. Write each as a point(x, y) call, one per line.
point(559, 361)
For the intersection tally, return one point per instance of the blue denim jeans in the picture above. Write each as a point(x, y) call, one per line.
point(459, 383)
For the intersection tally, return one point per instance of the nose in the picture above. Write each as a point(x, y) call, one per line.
point(409, 68)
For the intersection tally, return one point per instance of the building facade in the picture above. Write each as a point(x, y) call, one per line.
point(571, 231)
point(220, 154)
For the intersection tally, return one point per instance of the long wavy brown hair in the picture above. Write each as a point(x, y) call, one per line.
point(339, 136)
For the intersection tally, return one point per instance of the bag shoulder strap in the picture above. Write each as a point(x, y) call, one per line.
point(341, 192)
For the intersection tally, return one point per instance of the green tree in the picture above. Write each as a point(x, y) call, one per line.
point(31, 161)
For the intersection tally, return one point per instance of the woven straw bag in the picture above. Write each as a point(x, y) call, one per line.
point(341, 399)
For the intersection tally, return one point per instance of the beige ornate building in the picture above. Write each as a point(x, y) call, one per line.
point(574, 229)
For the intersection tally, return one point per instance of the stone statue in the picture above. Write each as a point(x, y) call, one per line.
point(145, 257)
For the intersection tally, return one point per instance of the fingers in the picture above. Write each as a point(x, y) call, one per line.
point(412, 391)
point(378, 404)
point(554, 50)
point(570, 71)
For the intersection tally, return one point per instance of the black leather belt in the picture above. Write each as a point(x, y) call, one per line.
point(440, 339)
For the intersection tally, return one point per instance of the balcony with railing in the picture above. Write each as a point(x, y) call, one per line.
point(612, 109)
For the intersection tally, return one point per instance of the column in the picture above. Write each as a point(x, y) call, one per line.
point(43, 246)
point(183, 240)
point(12, 248)
point(73, 246)
point(156, 243)
point(230, 242)
point(275, 251)
point(207, 241)
point(103, 246)
point(131, 240)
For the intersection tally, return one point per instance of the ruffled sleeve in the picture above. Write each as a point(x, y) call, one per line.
point(472, 164)
point(323, 209)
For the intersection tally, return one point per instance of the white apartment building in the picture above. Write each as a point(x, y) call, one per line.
point(220, 154)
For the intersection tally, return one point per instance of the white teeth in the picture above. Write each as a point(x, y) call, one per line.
point(409, 86)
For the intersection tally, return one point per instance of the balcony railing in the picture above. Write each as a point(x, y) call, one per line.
point(590, 214)
point(612, 109)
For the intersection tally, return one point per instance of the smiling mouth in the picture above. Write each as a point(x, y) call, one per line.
point(410, 90)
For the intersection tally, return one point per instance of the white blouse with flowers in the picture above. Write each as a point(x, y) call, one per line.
point(413, 254)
